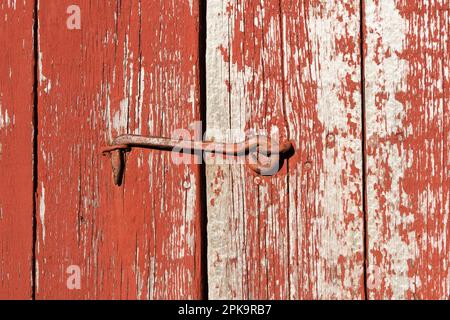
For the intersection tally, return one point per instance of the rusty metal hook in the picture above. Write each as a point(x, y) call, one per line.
point(264, 153)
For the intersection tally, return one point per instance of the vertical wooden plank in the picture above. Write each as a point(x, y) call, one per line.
point(407, 116)
point(291, 67)
point(131, 68)
point(16, 148)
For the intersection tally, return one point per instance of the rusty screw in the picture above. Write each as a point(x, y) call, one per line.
point(331, 140)
point(307, 166)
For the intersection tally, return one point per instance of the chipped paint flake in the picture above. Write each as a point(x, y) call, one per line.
point(42, 210)
point(5, 119)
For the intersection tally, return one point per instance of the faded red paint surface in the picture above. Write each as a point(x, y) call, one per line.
point(16, 149)
point(287, 66)
point(132, 68)
point(407, 78)
point(289, 236)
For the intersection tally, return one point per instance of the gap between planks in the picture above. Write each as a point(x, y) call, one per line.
point(35, 141)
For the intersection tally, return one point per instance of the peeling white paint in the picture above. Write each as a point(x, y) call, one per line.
point(36, 274)
point(43, 80)
point(120, 119)
point(191, 3)
point(5, 119)
point(12, 4)
point(42, 210)
point(140, 101)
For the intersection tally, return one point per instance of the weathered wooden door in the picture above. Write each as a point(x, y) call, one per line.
point(292, 67)
point(360, 210)
point(132, 67)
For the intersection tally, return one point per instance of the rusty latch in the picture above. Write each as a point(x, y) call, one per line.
point(264, 156)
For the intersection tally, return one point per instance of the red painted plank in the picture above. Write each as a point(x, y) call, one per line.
point(292, 67)
point(16, 149)
point(131, 68)
point(407, 115)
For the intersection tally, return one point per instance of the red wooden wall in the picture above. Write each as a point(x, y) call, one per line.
point(359, 212)
point(132, 68)
point(291, 67)
point(16, 148)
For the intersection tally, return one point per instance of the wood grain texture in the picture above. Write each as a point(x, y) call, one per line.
point(131, 68)
point(16, 149)
point(291, 67)
point(407, 120)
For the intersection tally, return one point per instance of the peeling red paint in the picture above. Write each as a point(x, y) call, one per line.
point(276, 75)
point(294, 67)
point(137, 72)
point(16, 149)
point(412, 160)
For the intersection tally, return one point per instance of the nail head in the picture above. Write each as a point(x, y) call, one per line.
point(187, 184)
point(331, 139)
point(307, 166)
